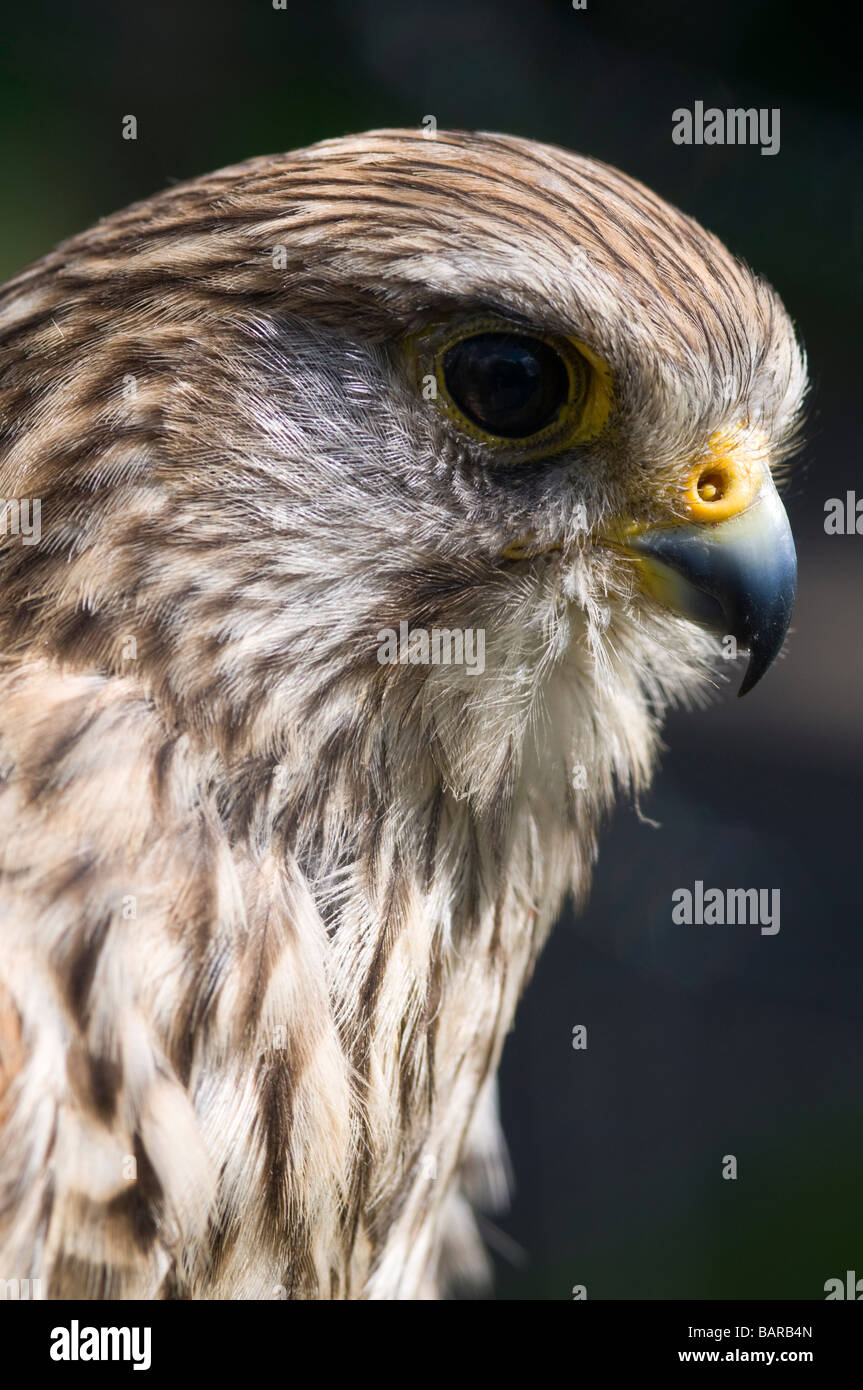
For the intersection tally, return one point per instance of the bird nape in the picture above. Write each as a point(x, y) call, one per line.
point(364, 510)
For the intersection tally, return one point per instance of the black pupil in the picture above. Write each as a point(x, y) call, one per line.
point(506, 384)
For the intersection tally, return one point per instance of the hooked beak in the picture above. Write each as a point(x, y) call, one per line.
point(737, 574)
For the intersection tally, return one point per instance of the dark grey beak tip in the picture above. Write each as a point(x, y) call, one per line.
point(763, 623)
point(751, 679)
point(764, 648)
point(758, 666)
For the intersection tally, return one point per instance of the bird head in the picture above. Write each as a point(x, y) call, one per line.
point(466, 384)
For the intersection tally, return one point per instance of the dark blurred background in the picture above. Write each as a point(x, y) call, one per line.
point(702, 1041)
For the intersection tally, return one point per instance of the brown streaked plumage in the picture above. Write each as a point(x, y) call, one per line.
point(266, 904)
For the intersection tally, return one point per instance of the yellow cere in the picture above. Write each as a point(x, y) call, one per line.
point(727, 478)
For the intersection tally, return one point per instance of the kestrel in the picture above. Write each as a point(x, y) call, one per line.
point(274, 867)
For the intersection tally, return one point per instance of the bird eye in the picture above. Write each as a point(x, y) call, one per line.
point(522, 392)
point(511, 386)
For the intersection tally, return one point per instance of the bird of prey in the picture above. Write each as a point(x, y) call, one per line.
point(276, 857)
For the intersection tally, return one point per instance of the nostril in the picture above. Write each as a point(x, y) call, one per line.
point(712, 486)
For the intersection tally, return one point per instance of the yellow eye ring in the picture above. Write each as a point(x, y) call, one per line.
point(581, 415)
